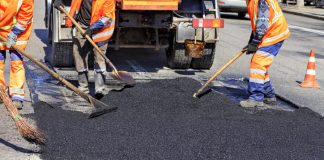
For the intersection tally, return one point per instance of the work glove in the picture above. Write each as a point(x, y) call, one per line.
point(12, 39)
point(57, 3)
point(251, 48)
point(88, 32)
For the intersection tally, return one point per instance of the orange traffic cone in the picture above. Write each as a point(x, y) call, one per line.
point(310, 76)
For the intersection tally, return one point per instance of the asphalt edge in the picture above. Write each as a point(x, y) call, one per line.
point(286, 100)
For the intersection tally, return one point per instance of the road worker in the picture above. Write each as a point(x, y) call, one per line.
point(15, 25)
point(97, 18)
point(269, 30)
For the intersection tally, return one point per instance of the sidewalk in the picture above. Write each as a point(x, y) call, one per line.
point(306, 11)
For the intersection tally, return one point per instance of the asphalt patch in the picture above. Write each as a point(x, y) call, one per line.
point(161, 120)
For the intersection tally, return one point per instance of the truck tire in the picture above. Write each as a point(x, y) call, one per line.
point(207, 60)
point(241, 15)
point(175, 54)
point(62, 54)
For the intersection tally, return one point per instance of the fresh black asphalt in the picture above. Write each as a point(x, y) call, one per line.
point(161, 120)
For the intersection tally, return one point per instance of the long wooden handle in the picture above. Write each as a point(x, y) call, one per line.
point(51, 72)
point(219, 72)
point(75, 23)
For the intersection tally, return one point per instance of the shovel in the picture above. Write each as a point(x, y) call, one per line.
point(100, 107)
point(118, 75)
point(203, 88)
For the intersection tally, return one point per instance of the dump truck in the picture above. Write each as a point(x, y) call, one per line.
point(156, 24)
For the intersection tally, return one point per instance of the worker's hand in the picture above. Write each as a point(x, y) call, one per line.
point(57, 3)
point(88, 32)
point(251, 48)
point(12, 39)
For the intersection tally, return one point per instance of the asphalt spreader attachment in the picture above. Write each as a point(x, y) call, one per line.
point(161, 120)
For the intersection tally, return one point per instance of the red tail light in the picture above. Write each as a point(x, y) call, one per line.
point(207, 23)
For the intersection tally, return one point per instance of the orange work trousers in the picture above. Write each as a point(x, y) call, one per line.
point(17, 74)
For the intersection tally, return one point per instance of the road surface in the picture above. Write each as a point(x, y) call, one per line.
point(288, 69)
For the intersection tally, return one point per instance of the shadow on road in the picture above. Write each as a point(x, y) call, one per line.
point(16, 148)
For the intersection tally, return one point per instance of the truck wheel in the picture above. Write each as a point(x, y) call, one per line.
point(61, 55)
point(207, 60)
point(175, 54)
point(241, 15)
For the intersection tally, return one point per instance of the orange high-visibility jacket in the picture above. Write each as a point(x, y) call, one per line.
point(17, 13)
point(277, 29)
point(100, 8)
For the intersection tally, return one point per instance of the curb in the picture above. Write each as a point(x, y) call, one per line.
point(303, 14)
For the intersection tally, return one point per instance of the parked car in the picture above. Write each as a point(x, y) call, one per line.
point(309, 2)
point(238, 6)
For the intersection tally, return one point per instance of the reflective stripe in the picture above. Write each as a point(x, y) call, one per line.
point(265, 54)
point(311, 72)
point(104, 34)
point(267, 80)
point(100, 70)
point(17, 97)
point(273, 5)
point(276, 18)
point(17, 43)
point(257, 71)
point(16, 90)
point(254, 80)
point(200, 23)
point(104, 20)
point(24, 22)
point(19, 4)
point(20, 27)
point(5, 27)
point(311, 59)
point(277, 36)
point(83, 70)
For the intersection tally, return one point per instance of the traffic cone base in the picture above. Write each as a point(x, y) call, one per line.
point(309, 84)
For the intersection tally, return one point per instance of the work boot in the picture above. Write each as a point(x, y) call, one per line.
point(249, 103)
point(99, 85)
point(83, 82)
point(270, 101)
point(18, 104)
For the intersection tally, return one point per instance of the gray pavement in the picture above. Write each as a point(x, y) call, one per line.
point(289, 68)
point(306, 11)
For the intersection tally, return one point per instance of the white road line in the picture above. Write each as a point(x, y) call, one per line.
point(320, 32)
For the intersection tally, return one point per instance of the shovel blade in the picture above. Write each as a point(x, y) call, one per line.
point(123, 76)
point(100, 108)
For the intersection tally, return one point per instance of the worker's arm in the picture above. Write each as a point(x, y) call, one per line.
point(107, 16)
point(24, 17)
point(262, 22)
